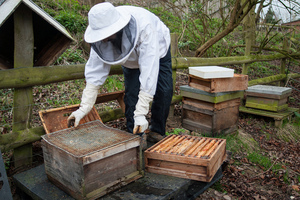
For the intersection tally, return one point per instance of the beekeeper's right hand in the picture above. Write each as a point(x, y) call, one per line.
point(88, 99)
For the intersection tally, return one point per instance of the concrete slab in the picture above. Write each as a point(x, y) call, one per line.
point(36, 185)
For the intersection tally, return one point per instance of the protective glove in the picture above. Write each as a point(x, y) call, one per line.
point(141, 110)
point(88, 99)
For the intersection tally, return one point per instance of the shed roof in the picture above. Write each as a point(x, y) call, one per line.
point(287, 23)
point(7, 8)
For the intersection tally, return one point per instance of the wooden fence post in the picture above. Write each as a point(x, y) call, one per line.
point(283, 60)
point(249, 31)
point(174, 53)
point(23, 97)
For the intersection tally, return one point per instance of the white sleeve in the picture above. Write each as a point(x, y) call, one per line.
point(96, 71)
point(149, 60)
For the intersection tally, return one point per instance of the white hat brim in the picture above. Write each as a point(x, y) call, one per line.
point(92, 35)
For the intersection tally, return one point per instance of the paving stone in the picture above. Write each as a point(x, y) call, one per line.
point(35, 184)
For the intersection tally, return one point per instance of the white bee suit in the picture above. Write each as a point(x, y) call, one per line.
point(151, 42)
point(139, 45)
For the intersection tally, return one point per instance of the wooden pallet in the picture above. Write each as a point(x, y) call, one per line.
point(185, 156)
point(277, 116)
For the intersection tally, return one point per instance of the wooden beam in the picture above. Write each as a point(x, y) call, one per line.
point(271, 79)
point(25, 77)
point(23, 97)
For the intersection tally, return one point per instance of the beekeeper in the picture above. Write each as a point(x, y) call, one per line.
point(139, 41)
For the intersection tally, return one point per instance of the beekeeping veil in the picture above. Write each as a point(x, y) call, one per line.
point(106, 20)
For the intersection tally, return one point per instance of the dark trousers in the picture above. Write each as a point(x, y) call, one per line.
point(162, 98)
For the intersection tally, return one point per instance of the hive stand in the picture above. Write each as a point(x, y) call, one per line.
point(35, 185)
point(269, 101)
point(277, 116)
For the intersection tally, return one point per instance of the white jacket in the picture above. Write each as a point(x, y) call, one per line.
point(151, 42)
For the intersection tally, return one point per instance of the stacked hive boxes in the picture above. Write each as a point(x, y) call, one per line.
point(211, 99)
point(269, 98)
point(90, 160)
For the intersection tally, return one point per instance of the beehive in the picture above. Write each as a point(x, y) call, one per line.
point(267, 97)
point(185, 156)
point(90, 160)
point(210, 113)
point(210, 118)
point(213, 85)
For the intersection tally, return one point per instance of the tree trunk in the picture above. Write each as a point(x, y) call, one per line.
point(237, 15)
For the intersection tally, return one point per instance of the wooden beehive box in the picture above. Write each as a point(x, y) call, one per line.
point(210, 118)
point(185, 156)
point(213, 85)
point(90, 160)
point(194, 93)
point(266, 97)
point(55, 119)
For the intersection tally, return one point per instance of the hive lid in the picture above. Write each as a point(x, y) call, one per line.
point(268, 89)
point(87, 138)
point(211, 72)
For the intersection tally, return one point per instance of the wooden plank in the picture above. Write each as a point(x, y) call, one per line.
point(126, 145)
point(105, 97)
point(196, 126)
point(275, 115)
point(266, 103)
point(58, 165)
point(210, 106)
point(265, 95)
point(178, 166)
point(236, 83)
point(213, 168)
point(55, 46)
point(116, 184)
point(199, 142)
point(173, 143)
point(194, 93)
point(199, 148)
point(201, 118)
point(161, 144)
point(177, 173)
point(218, 154)
point(104, 171)
point(55, 119)
point(23, 97)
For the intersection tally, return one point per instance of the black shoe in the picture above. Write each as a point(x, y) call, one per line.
point(154, 137)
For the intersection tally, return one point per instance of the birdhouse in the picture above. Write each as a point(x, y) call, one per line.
point(50, 38)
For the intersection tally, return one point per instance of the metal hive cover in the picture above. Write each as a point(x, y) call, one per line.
point(87, 138)
point(269, 89)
